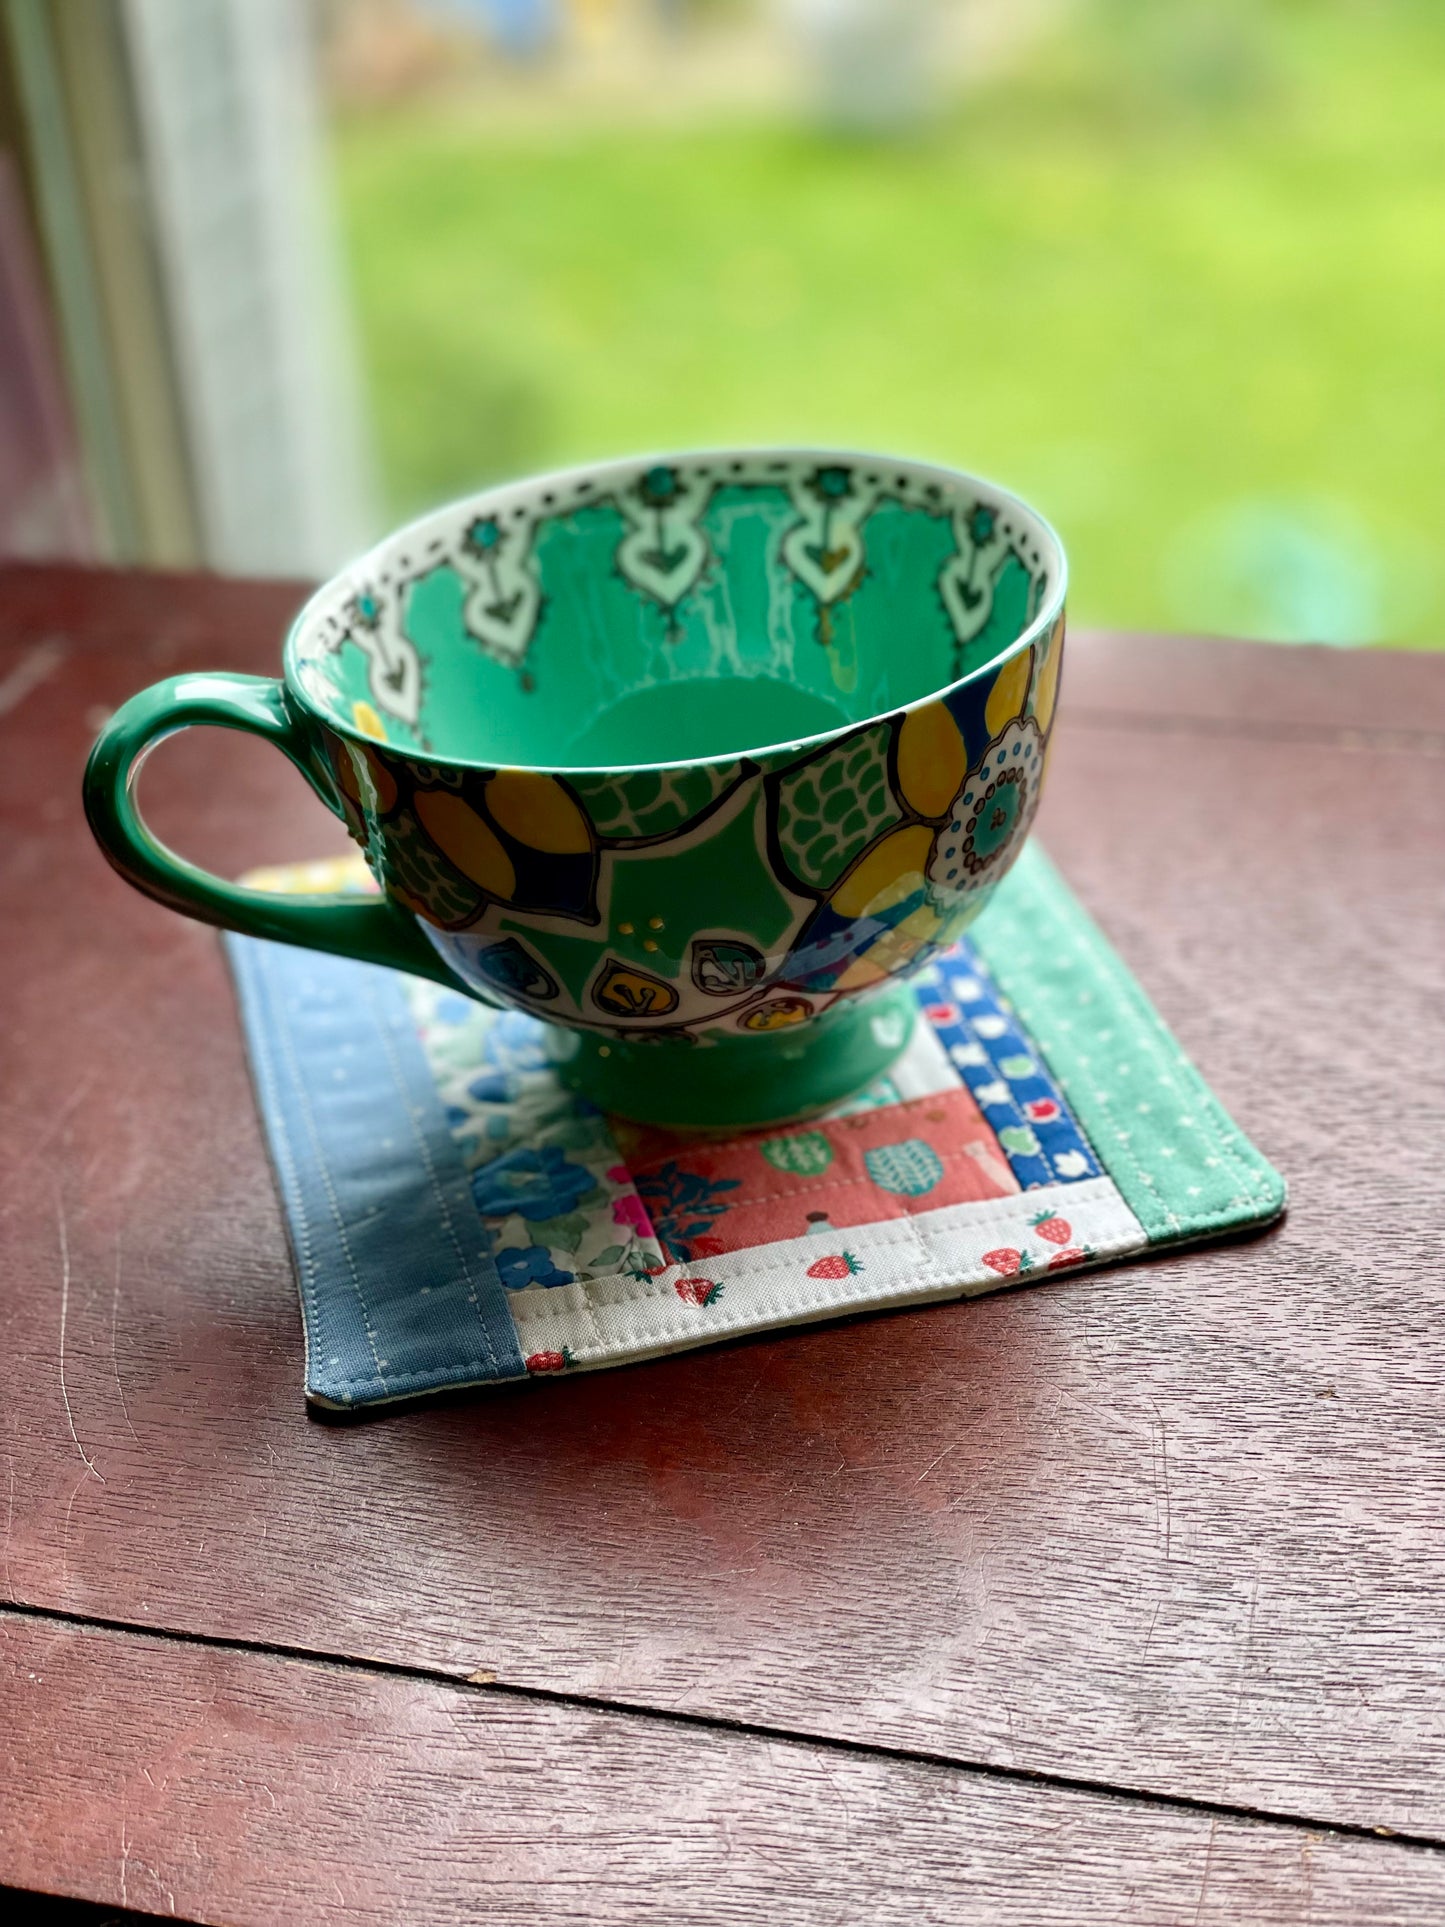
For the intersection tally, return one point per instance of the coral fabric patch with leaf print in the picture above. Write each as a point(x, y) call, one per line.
point(705, 1197)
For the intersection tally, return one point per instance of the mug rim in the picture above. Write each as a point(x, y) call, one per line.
point(506, 495)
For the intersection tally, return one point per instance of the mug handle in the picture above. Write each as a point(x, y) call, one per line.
point(374, 930)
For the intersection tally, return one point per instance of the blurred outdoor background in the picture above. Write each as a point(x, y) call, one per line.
point(1173, 269)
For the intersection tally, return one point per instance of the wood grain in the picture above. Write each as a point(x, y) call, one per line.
point(244, 1788)
point(1183, 682)
point(1173, 1528)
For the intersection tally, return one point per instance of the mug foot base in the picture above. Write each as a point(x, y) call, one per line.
point(739, 1083)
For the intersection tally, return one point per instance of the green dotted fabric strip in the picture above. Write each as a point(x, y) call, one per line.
point(1185, 1168)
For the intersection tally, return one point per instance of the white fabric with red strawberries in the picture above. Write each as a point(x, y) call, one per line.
point(956, 1251)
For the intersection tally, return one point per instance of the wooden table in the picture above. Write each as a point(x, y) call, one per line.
point(1119, 1600)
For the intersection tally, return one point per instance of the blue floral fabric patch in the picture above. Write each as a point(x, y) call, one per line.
point(556, 1203)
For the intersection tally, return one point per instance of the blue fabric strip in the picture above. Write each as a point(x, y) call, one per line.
point(399, 1294)
point(1005, 1071)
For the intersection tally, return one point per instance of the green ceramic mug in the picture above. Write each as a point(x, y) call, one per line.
point(695, 758)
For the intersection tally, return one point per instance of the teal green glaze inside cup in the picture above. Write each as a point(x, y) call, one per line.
point(693, 757)
point(704, 607)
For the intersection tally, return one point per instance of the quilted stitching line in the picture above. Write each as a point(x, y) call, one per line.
point(928, 1290)
point(906, 1204)
point(1125, 1236)
point(250, 962)
point(318, 1150)
point(754, 1276)
point(1225, 1142)
point(879, 1233)
point(1112, 984)
point(913, 1230)
point(419, 1138)
point(589, 1312)
point(1173, 1064)
point(1121, 1139)
point(983, 1213)
point(931, 1282)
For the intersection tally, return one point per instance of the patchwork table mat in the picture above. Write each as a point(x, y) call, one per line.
point(459, 1219)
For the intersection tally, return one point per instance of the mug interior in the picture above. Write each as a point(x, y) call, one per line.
point(674, 609)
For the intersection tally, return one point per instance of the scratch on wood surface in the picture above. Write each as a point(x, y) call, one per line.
point(1208, 1861)
point(1093, 1357)
point(115, 1368)
point(933, 1464)
point(31, 670)
point(65, 1531)
point(751, 1393)
point(89, 1462)
point(1149, 1636)
point(1160, 1463)
point(59, 1118)
point(9, 1523)
point(839, 1778)
point(1008, 1714)
point(1241, 1675)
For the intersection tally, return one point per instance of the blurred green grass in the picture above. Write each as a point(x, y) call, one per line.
point(1181, 285)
